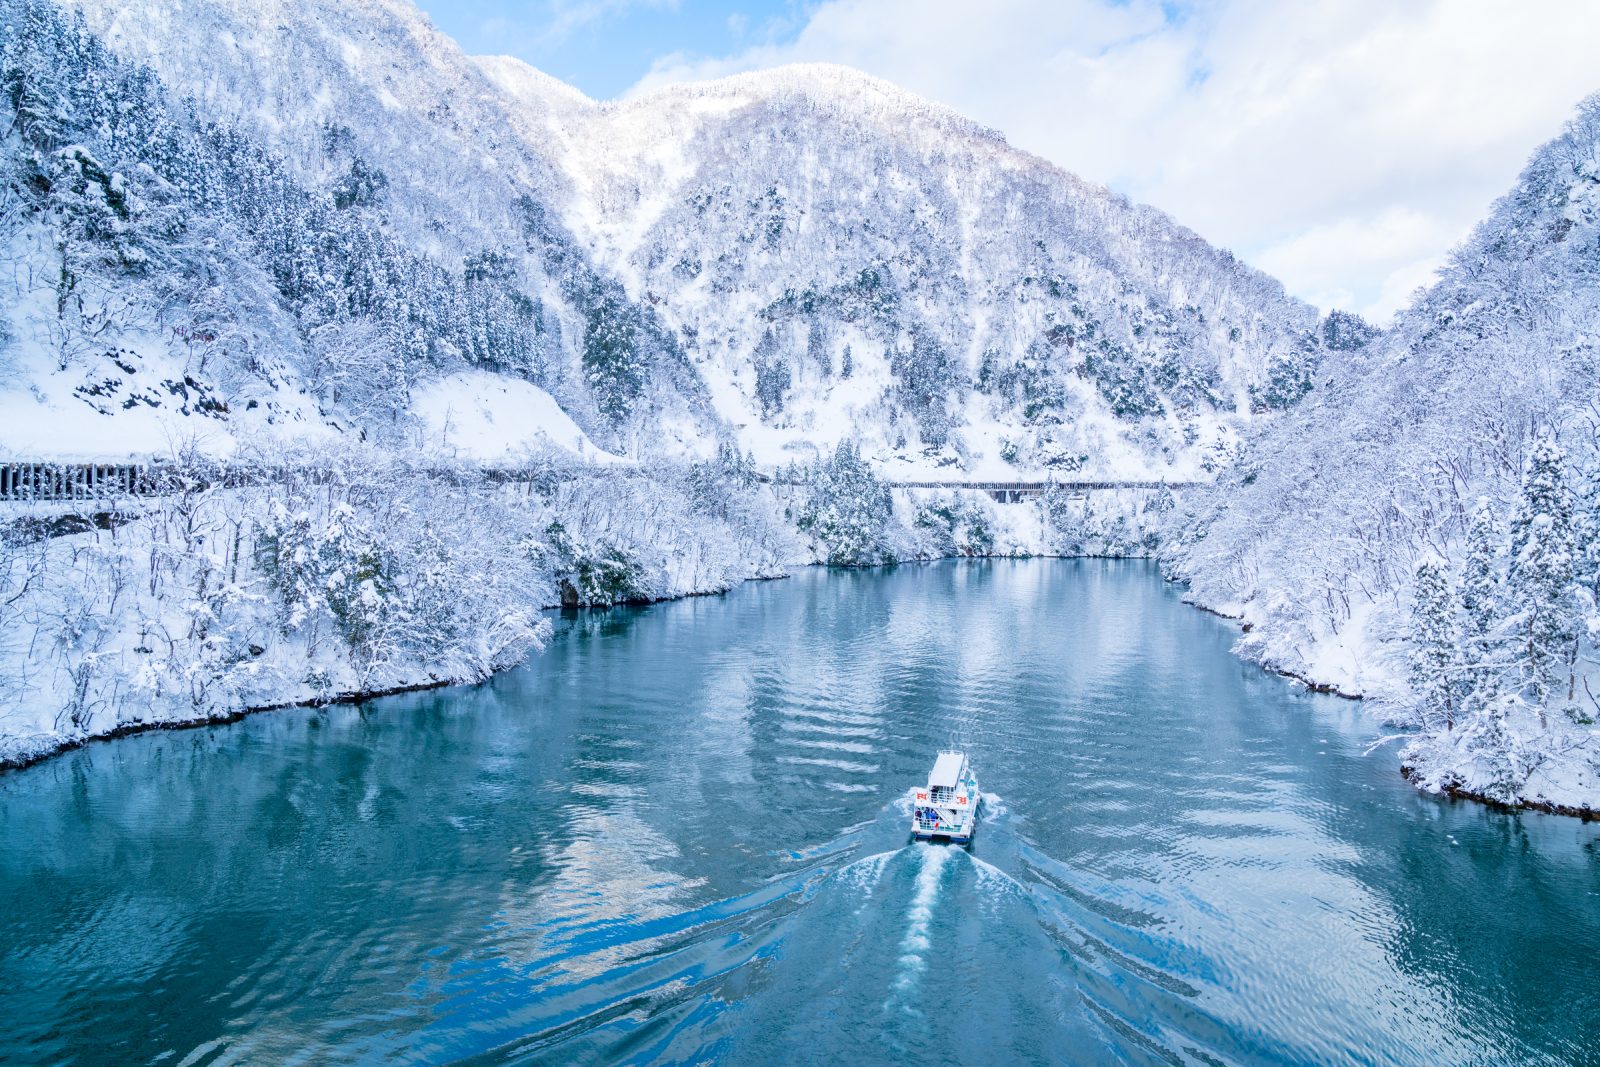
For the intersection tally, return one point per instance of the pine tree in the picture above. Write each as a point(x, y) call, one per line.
point(1483, 607)
point(1435, 659)
point(1544, 492)
point(1586, 534)
point(817, 348)
point(1540, 579)
point(847, 509)
point(1495, 746)
point(610, 356)
point(925, 376)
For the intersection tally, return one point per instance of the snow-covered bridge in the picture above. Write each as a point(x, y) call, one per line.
point(1016, 492)
point(36, 481)
point(1012, 492)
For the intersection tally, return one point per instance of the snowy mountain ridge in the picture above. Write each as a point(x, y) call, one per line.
point(1433, 510)
point(761, 196)
point(924, 288)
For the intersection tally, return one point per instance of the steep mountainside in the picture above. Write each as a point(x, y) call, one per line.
point(363, 176)
point(1433, 510)
point(843, 260)
point(350, 226)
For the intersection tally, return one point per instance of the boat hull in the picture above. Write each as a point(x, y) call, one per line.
point(960, 837)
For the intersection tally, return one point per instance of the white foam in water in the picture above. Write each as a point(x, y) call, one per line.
point(990, 875)
point(920, 914)
point(903, 804)
point(994, 806)
point(994, 885)
point(864, 872)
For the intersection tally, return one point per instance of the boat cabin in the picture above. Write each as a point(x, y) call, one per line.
point(945, 777)
point(948, 806)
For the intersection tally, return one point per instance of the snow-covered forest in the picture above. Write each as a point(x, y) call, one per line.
point(343, 572)
point(1424, 529)
point(708, 327)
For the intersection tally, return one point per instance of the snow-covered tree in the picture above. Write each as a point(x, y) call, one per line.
point(1436, 647)
point(1540, 578)
point(847, 509)
point(774, 375)
point(1483, 608)
point(1489, 740)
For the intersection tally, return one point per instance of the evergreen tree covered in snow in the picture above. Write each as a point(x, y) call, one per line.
point(926, 377)
point(1483, 608)
point(611, 356)
point(774, 376)
point(1540, 578)
point(1435, 660)
point(847, 509)
point(1344, 331)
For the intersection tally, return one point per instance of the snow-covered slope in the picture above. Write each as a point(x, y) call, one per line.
point(846, 260)
point(490, 417)
point(333, 186)
point(787, 259)
point(1487, 388)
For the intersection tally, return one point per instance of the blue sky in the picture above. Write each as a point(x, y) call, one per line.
point(1343, 146)
point(605, 46)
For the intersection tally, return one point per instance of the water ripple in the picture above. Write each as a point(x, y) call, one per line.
point(680, 836)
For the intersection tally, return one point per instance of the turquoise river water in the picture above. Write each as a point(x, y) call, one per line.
point(680, 835)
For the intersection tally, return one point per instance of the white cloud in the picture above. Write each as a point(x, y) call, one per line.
point(566, 17)
point(1402, 246)
point(1345, 144)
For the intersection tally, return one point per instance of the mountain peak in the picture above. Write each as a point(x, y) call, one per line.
point(527, 84)
point(832, 84)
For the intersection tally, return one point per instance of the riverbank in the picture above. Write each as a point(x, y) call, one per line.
point(18, 752)
point(328, 594)
point(1584, 813)
point(354, 574)
point(1145, 788)
point(365, 573)
point(1515, 758)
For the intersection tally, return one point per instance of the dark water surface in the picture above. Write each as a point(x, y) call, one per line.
point(680, 834)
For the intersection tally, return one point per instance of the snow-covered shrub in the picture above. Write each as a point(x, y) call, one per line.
point(591, 574)
point(847, 510)
point(954, 527)
point(1107, 523)
point(332, 566)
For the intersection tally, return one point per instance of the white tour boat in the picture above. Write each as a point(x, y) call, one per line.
point(948, 805)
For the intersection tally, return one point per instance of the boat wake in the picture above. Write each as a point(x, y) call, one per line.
point(897, 936)
point(914, 946)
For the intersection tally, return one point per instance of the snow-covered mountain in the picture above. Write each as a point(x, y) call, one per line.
point(843, 259)
point(1346, 535)
point(372, 221)
point(317, 221)
point(334, 218)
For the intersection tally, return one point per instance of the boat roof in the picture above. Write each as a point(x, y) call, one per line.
point(946, 770)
